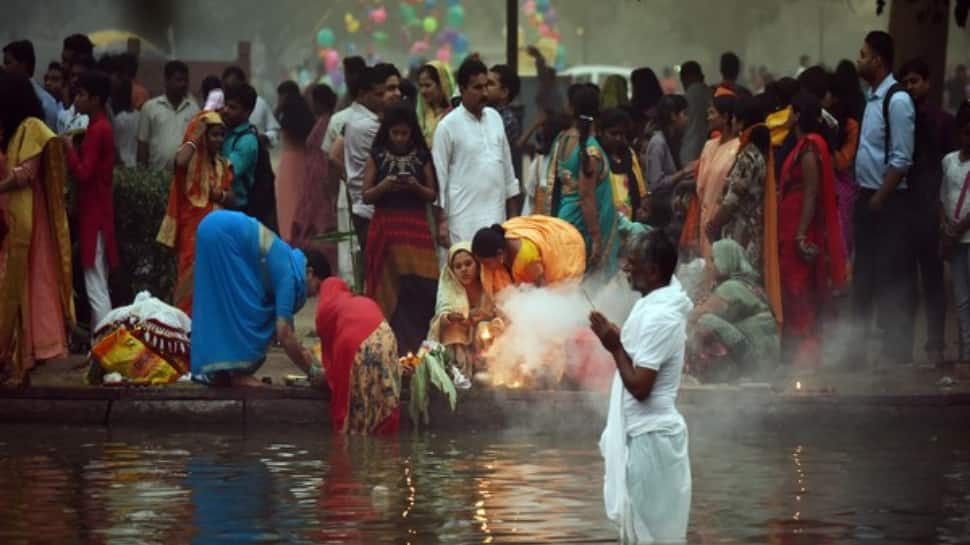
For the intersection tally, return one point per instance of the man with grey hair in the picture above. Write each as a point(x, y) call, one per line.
point(647, 487)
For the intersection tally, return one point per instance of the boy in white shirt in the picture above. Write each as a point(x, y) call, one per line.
point(956, 223)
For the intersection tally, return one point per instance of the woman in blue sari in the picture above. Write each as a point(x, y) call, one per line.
point(582, 190)
point(249, 284)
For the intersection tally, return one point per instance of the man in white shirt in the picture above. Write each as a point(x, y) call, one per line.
point(377, 89)
point(647, 486)
point(476, 180)
point(163, 120)
point(262, 117)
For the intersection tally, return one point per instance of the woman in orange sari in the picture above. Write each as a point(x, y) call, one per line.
point(537, 250)
point(36, 289)
point(811, 249)
point(201, 183)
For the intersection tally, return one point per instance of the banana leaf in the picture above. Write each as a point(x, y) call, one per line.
point(431, 371)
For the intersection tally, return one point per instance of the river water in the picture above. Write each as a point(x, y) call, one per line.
point(74, 485)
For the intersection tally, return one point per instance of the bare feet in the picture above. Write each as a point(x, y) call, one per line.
point(246, 381)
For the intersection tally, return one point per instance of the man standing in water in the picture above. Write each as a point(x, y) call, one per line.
point(647, 487)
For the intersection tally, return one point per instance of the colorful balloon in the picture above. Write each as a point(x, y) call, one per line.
point(351, 22)
point(379, 37)
point(430, 24)
point(444, 54)
point(529, 7)
point(326, 38)
point(544, 30)
point(331, 60)
point(542, 5)
point(407, 14)
point(419, 47)
point(456, 15)
point(378, 16)
point(429, 4)
point(460, 43)
point(454, 2)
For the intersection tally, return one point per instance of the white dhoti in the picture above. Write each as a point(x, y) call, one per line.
point(647, 485)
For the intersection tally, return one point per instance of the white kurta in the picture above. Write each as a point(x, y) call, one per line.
point(647, 487)
point(474, 168)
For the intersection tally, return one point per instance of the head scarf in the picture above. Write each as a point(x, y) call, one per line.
point(215, 101)
point(731, 262)
point(452, 296)
point(614, 93)
point(427, 118)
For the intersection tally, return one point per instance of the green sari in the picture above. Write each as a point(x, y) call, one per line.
point(566, 201)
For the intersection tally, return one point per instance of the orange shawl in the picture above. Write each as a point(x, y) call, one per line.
point(771, 275)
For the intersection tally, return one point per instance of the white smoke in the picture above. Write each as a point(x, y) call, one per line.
point(547, 332)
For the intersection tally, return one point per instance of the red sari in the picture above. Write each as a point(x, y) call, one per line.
point(359, 356)
point(807, 285)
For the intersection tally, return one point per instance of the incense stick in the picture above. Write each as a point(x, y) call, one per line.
point(586, 295)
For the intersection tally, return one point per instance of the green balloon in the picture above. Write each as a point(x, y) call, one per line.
point(326, 38)
point(456, 15)
point(379, 37)
point(407, 14)
point(430, 24)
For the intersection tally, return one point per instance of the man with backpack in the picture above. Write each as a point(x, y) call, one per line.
point(884, 216)
point(935, 137)
point(252, 174)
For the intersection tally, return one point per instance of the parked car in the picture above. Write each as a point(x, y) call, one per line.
point(595, 73)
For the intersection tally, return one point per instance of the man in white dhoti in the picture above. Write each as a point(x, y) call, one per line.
point(476, 181)
point(647, 487)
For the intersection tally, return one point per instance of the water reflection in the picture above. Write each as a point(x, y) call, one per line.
point(89, 486)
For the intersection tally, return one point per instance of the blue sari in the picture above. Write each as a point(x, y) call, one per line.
point(245, 279)
point(566, 202)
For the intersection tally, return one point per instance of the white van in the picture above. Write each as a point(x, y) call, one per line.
point(596, 73)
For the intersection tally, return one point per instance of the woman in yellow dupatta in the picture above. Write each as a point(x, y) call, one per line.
point(462, 305)
point(36, 290)
point(201, 184)
point(538, 250)
point(436, 87)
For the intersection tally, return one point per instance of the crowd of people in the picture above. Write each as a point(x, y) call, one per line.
point(787, 194)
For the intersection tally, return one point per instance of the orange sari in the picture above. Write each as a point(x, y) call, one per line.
point(36, 288)
point(190, 200)
point(713, 167)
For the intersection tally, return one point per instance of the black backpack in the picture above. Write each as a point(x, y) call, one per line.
point(262, 194)
point(895, 88)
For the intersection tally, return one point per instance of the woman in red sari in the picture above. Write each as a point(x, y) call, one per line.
point(811, 249)
point(201, 183)
point(359, 357)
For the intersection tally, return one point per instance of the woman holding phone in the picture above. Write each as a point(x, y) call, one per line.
point(402, 266)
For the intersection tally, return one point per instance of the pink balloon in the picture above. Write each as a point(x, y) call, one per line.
point(444, 54)
point(529, 7)
point(331, 59)
point(544, 29)
point(378, 15)
point(419, 47)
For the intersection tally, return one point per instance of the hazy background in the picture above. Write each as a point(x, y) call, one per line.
point(630, 33)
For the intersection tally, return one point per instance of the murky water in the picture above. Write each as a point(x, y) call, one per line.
point(66, 486)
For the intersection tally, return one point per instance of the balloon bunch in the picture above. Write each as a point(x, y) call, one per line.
point(428, 28)
point(423, 31)
point(540, 19)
